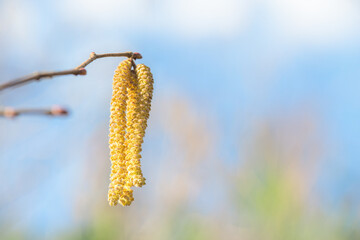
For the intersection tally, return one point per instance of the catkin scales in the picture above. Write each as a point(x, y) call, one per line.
point(129, 112)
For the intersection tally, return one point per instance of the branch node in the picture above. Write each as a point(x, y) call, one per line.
point(37, 76)
point(82, 71)
point(93, 55)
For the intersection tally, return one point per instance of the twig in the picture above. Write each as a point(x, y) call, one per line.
point(55, 110)
point(79, 70)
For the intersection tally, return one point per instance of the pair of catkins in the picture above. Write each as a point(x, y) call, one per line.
point(129, 112)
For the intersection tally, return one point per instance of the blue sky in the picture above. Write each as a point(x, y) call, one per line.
point(238, 61)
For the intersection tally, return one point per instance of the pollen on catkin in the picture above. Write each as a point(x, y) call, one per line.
point(140, 92)
point(130, 107)
point(117, 187)
point(134, 133)
point(146, 88)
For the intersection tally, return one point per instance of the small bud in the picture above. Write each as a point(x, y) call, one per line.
point(82, 71)
point(92, 55)
point(137, 55)
point(10, 112)
point(58, 111)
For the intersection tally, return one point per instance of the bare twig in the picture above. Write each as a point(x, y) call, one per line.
point(79, 70)
point(55, 110)
point(94, 56)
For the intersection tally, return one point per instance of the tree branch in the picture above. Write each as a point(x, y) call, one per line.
point(79, 70)
point(55, 110)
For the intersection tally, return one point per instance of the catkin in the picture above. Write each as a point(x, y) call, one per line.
point(146, 88)
point(138, 109)
point(117, 132)
point(134, 133)
point(130, 108)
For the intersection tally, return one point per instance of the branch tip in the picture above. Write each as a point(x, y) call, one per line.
point(9, 112)
point(137, 55)
point(58, 111)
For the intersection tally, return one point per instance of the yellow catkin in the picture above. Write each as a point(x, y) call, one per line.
point(134, 136)
point(138, 110)
point(146, 87)
point(117, 189)
point(130, 108)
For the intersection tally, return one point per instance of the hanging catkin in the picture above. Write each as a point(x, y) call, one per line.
point(140, 92)
point(117, 133)
point(146, 87)
point(134, 133)
point(130, 107)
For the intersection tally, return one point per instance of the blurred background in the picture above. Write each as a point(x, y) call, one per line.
point(253, 134)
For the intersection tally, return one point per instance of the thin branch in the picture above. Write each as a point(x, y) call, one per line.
point(94, 56)
point(55, 110)
point(38, 76)
point(79, 70)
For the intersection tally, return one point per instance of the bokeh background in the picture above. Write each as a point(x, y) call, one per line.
point(254, 130)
